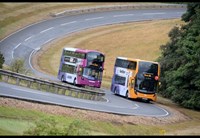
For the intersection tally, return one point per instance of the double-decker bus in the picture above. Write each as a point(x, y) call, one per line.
point(135, 78)
point(81, 67)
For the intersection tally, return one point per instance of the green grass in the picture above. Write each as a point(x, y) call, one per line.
point(13, 126)
point(15, 121)
point(4, 132)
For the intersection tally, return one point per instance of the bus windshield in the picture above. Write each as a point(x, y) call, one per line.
point(92, 74)
point(95, 59)
point(145, 80)
point(148, 67)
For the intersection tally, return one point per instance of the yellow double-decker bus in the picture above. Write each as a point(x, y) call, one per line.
point(135, 78)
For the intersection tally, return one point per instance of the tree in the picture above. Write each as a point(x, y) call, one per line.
point(180, 60)
point(18, 66)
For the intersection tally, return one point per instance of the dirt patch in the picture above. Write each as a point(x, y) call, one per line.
point(175, 117)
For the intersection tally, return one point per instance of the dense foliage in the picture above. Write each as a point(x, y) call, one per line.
point(180, 61)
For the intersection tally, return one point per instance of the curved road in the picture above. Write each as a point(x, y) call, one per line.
point(23, 44)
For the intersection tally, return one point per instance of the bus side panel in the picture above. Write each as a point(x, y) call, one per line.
point(122, 90)
point(70, 77)
point(85, 81)
point(133, 95)
point(119, 89)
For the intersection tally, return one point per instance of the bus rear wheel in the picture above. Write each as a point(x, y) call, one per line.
point(74, 83)
point(127, 95)
point(115, 91)
point(62, 79)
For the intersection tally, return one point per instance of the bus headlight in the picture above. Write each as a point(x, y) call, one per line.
point(156, 78)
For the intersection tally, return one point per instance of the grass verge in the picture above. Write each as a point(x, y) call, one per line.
point(16, 119)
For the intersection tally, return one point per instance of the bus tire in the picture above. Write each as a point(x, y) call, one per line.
point(127, 95)
point(147, 101)
point(115, 91)
point(62, 78)
point(74, 83)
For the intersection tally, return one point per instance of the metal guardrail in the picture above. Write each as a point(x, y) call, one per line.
point(117, 7)
point(48, 86)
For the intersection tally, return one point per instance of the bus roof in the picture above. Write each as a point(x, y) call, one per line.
point(80, 50)
point(135, 59)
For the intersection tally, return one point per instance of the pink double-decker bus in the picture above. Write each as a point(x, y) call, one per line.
point(81, 67)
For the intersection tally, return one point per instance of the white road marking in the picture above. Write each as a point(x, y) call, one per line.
point(14, 49)
point(68, 23)
point(28, 38)
point(47, 30)
point(47, 41)
point(17, 46)
point(93, 18)
point(153, 13)
point(121, 15)
point(30, 60)
point(137, 105)
point(38, 48)
point(167, 113)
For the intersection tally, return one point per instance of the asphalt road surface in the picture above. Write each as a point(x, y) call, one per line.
point(23, 44)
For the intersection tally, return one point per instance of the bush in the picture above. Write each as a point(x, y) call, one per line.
point(18, 66)
point(49, 126)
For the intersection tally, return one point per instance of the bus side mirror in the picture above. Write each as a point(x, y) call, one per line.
point(132, 82)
